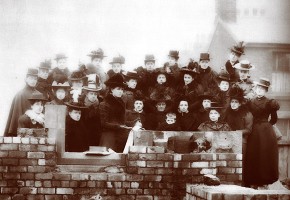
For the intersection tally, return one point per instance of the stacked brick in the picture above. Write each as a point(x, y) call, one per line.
point(28, 170)
point(232, 192)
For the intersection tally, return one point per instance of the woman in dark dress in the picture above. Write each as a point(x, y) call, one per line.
point(112, 114)
point(261, 163)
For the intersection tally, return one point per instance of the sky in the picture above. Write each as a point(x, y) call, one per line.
point(33, 30)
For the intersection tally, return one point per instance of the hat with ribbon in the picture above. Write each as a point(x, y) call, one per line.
point(36, 95)
point(92, 86)
point(244, 65)
point(149, 57)
point(120, 59)
point(99, 53)
point(263, 82)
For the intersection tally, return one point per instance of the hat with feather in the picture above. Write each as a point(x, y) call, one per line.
point(236, 93)
point(239, 48)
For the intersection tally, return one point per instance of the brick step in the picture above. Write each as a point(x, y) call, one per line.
point(90, 168)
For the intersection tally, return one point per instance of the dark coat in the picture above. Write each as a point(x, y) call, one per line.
point(223, 99)
point(147, 80)
point(132, 117)
point(44, 86)
point(19, 105)
point(92, 122)
point(214, 126)
point(76, 135)
point(129, 97)
point(111, 73)
point(208, 80)
point(202, 115)
point(112, 113)
point(25, 122)
point(168, 127)
point(187, 121)
point(261, 166)
point(234, 75)
point(56, 73)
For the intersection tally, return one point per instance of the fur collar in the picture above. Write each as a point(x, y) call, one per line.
point(35, 118)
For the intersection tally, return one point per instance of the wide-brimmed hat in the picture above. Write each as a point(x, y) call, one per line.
point(60, 56)
point(204, 56)
point(263, 82)
point(149, 57)
point(99, 53)
point(236, 93)
point(32, 72)
point(116, 80)
point(76, 105)
point(224, 76)
point(130, 75)
point(244, 65)
point(215, 106)
point(174, 54)
point(156, 97)
point(186, 70)
point(77, 75)
point(36, 95)
point(139, 96)
point(56, 84)
point(45, 65)
point(93, 87)
point(205, 95)
point(120, 59)
point(239, 48)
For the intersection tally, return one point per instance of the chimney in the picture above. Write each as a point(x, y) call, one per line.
point(226, 10)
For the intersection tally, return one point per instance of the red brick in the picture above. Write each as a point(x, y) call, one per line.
point(154, 163)
point(17, 154)
point(27, 147)
point(29, 183)
point(235, 163)
point(73, 184)
point(27, 176)
point(226, 170)
point(18, 169)
point(165, 156)
point(135, 191)
point(35, 197)
point(137, 163)
point(64, 191)
point(43, 176)
point(5, 197)
point(147, 156)
point(3, 154)
point(8, 147)
point(31, 162)
point(232, 177)
point(191, 157)
point(152, 178)
point(181, 164)
point(226, 156)
point(99, 177)
point(65, 184)
point(3, 169)
point(18, 197)
point(191, 171)
point(3, 183)
point(144, 197)
point(79, 176)
point(50, 155)
point(132, 170)
point(161, 171)
point(142, 170)
point(60, 176)
point(10, 161)
point(56, 184)
point(7, 190)
point(137, 149)
point(8, 176)
point(40, 169)
point(208, 157)
point(38, 184)
point(53, 197)
point(36, 155)
point(134, 177)
point(46, 190)
point(25, 140)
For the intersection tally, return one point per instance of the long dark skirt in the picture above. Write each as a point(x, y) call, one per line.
point(261, 160)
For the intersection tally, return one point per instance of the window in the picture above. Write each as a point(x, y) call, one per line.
point(282, 63)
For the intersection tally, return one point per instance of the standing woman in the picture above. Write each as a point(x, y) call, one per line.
point(112, 113)
point(261, 164)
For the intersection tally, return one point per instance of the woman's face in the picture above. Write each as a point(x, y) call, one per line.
point(132, 83)
point(206, 103)
point(97, 62)
point(161, 78)
point(150, 65)
point(224, 86)
point(61, 63)
point(171, 61)
point(92, 96)
point(117, 92)
point(235, 104)
point(214, 115)
point(183, 106)
point(43, 73)
point(60, 93)
point(161, 106)
point(187, 79)
point(31, 80)
point(204, 64)
point(233, 57)
point(260, 91)
point(243, 74)
point(75, 114)
point(117, 67)
point(37, 107)
point(138, 105)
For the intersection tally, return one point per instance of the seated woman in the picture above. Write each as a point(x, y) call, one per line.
point(214, 124)
point(185, 117)
point(76, 133)
point(33, 117)
point(112, 114)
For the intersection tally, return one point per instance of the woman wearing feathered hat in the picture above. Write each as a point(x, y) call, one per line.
point(112, 113)
point(235, 53)
point(60, 69)
point(238, 116)
point(261, 163)
point(116, 65)
point(60, 89)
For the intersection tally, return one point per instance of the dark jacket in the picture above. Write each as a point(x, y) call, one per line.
point(112, 113)
point(234, 75)
point(19, 105)
point(168, 127)
point(187, 121)
point(132, 117)
point(111, 73)
point(147, 80)
point(208, 80)
point(44, 86)
point(202, 115)
point(76, 135)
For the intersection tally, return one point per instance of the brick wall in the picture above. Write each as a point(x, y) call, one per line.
point(28, 170)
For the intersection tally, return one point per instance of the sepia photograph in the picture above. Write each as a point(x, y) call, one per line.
point(144, 99)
